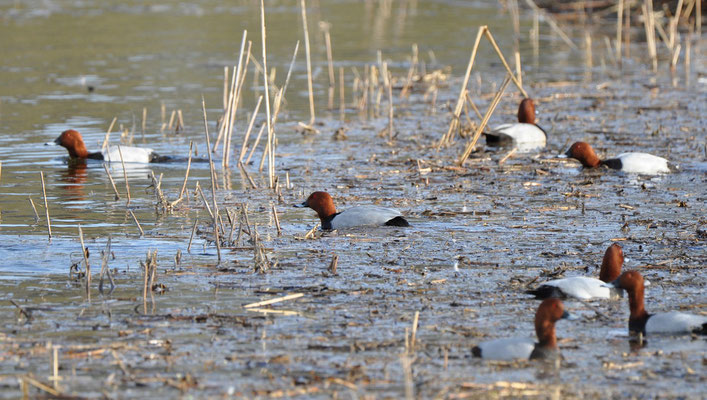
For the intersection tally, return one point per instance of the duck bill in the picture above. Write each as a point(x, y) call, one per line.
point(301, 205)
point(54, 142)
point(570, 317)
point(613, 284)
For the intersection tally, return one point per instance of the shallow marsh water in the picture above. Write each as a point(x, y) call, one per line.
point(480, 234)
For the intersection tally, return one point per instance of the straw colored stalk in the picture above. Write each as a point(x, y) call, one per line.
point(325, 27)
point(213, 181)
point(275, 300)
point(244, 147)
point(553, 24)
point(470, 146)
point(105, 270)
point(105, 139)
point(342, 95)
point(649, 25)
point(112, 182)
point(34, 208)
point(255, 145)
point(186, 175)
point(137, 223)
point(46, 206)
point(277, 221)
point(125, 175)
point(411, 72)
point(619, 28)
point(303, 6)
point(234, 105)
point(271, 166)
point(454, 124)
point(391, 134)
point(86, 264)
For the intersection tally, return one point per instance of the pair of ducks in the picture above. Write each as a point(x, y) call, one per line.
point(610, 285)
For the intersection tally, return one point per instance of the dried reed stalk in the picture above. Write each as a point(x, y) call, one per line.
point(112, 182)
point(342, 95)
point(271, 166)
point(125, 175)
point(244, 147)
point(144, 121)
point(303, 6)
point(142, 233)
point(234, 106)
point(470, 146)
point(105, 270)
point(334, 264)
point(277, 221)
point(36, 215)
point(411, 72)
point(275, 300)
point(649, 25)
point(391, 133)
point(105, 139)
point(86, 264)
point(186, 175)
point(553, 24)
point(325, 27)
point(619, 27)
point(46, 205)
point(191, 237)
point(213, 181)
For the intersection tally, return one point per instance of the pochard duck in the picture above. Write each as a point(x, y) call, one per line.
point(584, 287)
point(549, 312)
point(323, 204)
point(525, 134)
point(630, 163)
point(640, 321)
point(73, 142)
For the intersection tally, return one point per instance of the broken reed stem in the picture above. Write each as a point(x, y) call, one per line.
point(411, 72)
point(247, 175)
point(191, 237)
point(303, 6)
point(551, 21)
point(415, 320)
point(112, 182)
point(325, 26)
point(244, 147)
point(277, 221)
point(342, 95)
point(186, 175)
point(55, 366)
point(46, 205)
point(334, 264)
point(105, 139)
point(255, 145)
point(619, 27)
point(213, 181)
point(36, 215)
point(234, 105)
point(275, 300)
point(473, 106)
point(470, 147)
point(649, 25)
point(144, 121)
point(104, 268)
point(271, 167)
point(515, 79)
point(508, 155)
point(454, 123)
point(125, 175)
point(142, 233)
point(86, 264)
point(391, 134)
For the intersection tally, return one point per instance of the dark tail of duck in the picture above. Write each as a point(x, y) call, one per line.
point(546, 292)
point(397, 221)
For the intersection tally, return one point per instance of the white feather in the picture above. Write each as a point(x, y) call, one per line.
point(674, 322)
point(525, 136)
point(364, 216)
point(130, 154)
point(582, 287)
point(642, 163)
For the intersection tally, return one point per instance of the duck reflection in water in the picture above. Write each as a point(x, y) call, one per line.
point(74, 179)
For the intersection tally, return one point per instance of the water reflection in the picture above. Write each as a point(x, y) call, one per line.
point(75, 178)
